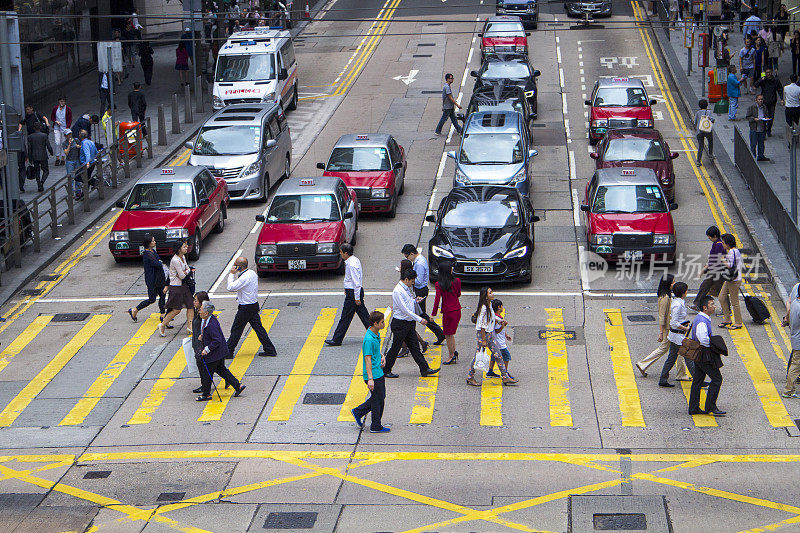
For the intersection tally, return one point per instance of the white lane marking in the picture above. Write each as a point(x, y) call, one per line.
point(575, 209)
point(440, 170)
point(580, 63)
point(464, 77)
point(558, 54)
point(567, 130)
point(564, 103)
point(557, 39)
point(583, 87)
point(561, 76)
point(469, 57)
point(225, 272)
point(584, 273)
point(572, 170)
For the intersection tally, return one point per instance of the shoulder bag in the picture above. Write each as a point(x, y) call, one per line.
point(730, 273)
point(704, 124)
point(690, 348)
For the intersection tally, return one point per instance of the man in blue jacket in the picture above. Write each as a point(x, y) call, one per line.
point(733, 92)
point(212, 358)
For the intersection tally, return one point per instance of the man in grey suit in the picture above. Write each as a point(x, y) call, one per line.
point(38, 148)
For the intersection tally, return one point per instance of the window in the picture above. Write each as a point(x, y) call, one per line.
point(227, 140)
point(394, 151)
point(245, 67)
point(209, 182)
point(273, 126)
point(303, 208)
point(629, 199)
point(281, 121)
point(287, 52)
point(344, 197)
point(200, 187)
point(158, 196)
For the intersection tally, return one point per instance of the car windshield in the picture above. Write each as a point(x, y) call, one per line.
point(491, 149)
point(633, 149)
point(157, 196)
point(508, 105)
point(228, 140)
point(500, 211)
point(362, 159)
point(505, 70)
point(629, 199)
point(303, 208)
point(504, 29)
point(244, 67)
point(620, 97)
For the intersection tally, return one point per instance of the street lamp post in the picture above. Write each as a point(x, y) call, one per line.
point(793, 171)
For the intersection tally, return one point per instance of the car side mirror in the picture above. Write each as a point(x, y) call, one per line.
point(536, 73)
point(527, 34)
point(451, 154)
point(587, 102)
point(653, 102)
point(348, 215)
point(120, 203)
point(480, 35)
point(271, 143)
point(533, 153)
point(321, 166)
point(203, 201)
point(260, 218)
point(585, 207)
point(283, 74)
point(536, 218)
point(673, 206)
point(674, 155)
point(431, 218)
point(473, 73)
point(398, 165)
point(189, 145)
point(594, 155)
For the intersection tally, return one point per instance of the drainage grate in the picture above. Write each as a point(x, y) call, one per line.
point(97, 474)
point(434, 24)
point(70, 317)
point(623, 451)
point(430, 92)
point(48, 277)
point(293, 304)
point(426, 44)
point(296, 520)
point(557, 335)
point(422, 55)
point(31, 292)
point(620, 522)
point(641, 318)
point(540, 125)
point(170, 496)
point(324, 398)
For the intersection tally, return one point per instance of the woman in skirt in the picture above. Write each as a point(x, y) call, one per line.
point(180, 297)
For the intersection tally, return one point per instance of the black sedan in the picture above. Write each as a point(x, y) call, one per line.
point(486, 232)
point(490, 98)
point(505, 71)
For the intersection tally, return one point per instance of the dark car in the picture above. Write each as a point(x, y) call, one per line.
point(505, 71)
point(499, 98)
point(594, 8)
point(527, 10)
point(486, 232)
point(638, 147)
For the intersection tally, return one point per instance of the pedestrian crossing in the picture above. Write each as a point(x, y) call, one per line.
point(423, 398)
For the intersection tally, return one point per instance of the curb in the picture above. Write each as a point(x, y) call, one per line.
point(773, 277)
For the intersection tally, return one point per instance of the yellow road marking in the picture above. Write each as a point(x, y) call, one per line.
point(159, 390)
point(239, 365)
point(357, 391)
point(112, 371)
point(701, 421)
point(558, 370)
point(303, 366)
point(180, 159)
point(43, 378)
point(22, 340)
point(425, 396)
point(630, 407)
point(491, 401)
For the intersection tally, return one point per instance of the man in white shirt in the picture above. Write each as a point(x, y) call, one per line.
point(353, 296)
point(708, 364)
point(246, 287)
point(404, 319)
point(791, 96)
point(420, 287)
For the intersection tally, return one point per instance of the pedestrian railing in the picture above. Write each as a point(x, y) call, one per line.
point(44, 216)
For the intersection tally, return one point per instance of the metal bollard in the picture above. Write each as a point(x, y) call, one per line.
point(199, 94)
point(162, 126)
point(139, 146)
point(53, 213)
point(70, 200)
point(149, 136)
point(176, 120)
point(126, 157)
point(187, 104)
point(101, 179)
point(85, 189)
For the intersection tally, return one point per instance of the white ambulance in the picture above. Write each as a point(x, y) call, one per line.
point(256, 66)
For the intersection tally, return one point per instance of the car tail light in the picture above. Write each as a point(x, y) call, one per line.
point(520, 48)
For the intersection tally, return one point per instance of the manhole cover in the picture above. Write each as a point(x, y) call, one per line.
point(48, 277)
point(293, 304)
point(324, 398)
point(620, 522)
point(31, 292)
point(70, 317)
point(557, 335)
point(170, 496)
point(421, 55)
point(97, 474)
point(430, 92)
point(618, 513)
point(641, 318)
point(296, 520)
point(426, 44)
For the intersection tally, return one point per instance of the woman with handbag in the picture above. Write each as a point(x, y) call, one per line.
point(448, 291)
point(665, 289)
point(729, 294)
point(484, 326)
point(180, 295)
point(153, 277)
point(678, 328)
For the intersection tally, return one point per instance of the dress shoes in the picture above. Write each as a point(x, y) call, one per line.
point(390, 375)
point(262, 353)
point(203, 398)
point(198, 390)
point(430, 372)
point(330, 342)
point(717, 412)
point(238, 392)
point(697, 412)
point(665, 384)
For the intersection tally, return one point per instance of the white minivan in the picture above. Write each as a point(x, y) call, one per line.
point(256, 66)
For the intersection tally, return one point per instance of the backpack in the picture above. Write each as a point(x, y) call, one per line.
point(704, 124)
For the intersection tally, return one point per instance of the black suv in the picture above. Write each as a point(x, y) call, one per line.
point(506, 71)
point(527, 10)
point(496, 97)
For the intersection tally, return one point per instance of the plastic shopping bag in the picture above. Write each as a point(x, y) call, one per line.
point(482, 359)
point(188, 352)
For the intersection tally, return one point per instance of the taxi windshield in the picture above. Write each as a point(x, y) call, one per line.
point(504, 29)
point(228, 140)
point(158, 196)
point(362, 159)
point(505, 70)
point(491, 149)
point(629, 199)
point(500, 211)
point(508, 105)
point(634, 150)
point(243, 67)
point(303, 208)
point(620, 97)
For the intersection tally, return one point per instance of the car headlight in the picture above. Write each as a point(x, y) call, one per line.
point(216, 101)
point(602, 239)
point(667, 238)
point(644, 123)
point(663, 177)
point(255, 168)
point(600, 123)
point(516, 252)
point(441, 252)
point(119, 236)
point(178, 233)
point(267, 249)
point(529, 94)
point(462, 178)
point(531, 7)
point(268, 97)
point(378, 192)
point(519, 177)
point(327, 247)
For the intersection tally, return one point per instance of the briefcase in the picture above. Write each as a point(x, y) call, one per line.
point(30, 172)
point(690, 349)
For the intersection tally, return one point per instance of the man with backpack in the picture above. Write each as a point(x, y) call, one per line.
point(703, 124)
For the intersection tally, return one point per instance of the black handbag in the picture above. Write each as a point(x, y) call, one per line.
point(190, 282)
point(730, 273)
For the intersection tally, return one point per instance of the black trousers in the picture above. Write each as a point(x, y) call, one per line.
point(374, 404)
point(148, 73)
point(705, 286)
point(41, 170)
point(672, 358)
point(207, 371)
point(403, 331)
point(137, 116)
point(105, 100)
point(771, 114)
point(152, 296)
point(21, 169)
point(248, 314)
point(433, 326)
point(701, 370)
point(348, 310)
point(792, 116)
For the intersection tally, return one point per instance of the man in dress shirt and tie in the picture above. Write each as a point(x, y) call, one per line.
point(403, 325)
point(421, 287)
point(353, 296)
point(246, 287)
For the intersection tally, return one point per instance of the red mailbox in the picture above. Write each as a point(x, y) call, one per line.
point(129, 129)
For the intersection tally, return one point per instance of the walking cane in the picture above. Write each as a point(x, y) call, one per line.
point(210, 375)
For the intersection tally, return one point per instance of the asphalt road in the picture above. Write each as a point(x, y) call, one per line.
point(99, 429)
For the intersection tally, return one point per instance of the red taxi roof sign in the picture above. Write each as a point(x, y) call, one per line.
point(619, 79)
point(167, 171)
point(628, 172)
point(306, 181)
point(362, 137)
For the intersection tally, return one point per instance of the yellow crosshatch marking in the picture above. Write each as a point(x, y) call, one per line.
point(630, 406)
point(558, 368)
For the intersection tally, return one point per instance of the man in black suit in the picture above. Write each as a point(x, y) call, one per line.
point(138, 103)
point(212, 359)
point(38, 149)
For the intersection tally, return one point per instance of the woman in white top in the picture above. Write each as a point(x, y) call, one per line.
point(484, 327)
point(180, 297)
point(729, 294)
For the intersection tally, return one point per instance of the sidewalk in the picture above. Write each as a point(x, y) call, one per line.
point(777, 169)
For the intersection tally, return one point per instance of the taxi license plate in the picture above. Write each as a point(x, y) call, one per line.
point(632, 255)
point(478, 269)
point(297, 264)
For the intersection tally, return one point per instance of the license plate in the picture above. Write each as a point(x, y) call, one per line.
point(632, 255)
point(141, 250)
point(297, 264)
point(478, 269)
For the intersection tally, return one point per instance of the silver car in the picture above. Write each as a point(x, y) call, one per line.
point(248, 145)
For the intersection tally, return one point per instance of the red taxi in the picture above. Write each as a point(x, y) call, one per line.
point(618, 103)
point(170, 204)
point(503, 34)
point(627, 216)
point(306, 222)
point(374, 166)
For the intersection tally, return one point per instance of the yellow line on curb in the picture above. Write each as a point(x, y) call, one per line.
point(558, 370)
point(23, 339)
point(357, 390)
point(630, 406)
point(158, 392)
